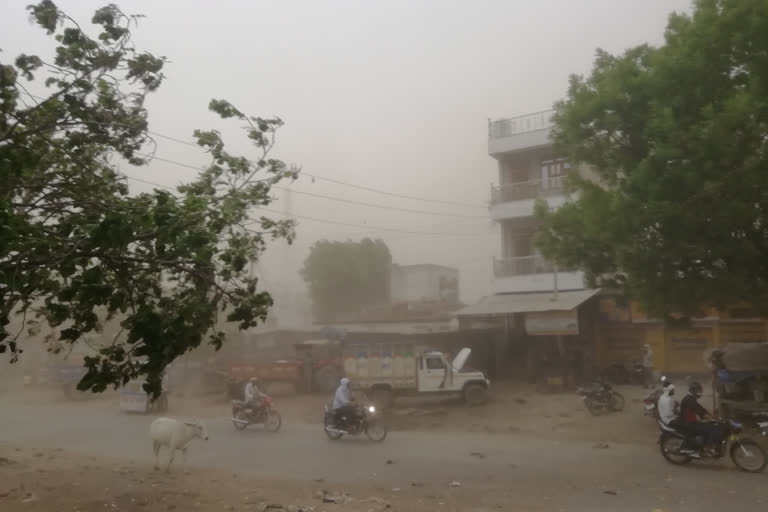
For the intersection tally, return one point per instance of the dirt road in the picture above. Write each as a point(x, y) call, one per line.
point(540, 474)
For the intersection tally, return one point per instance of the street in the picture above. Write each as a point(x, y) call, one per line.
point(566, 475)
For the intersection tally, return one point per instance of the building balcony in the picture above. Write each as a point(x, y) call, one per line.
point(533, 274)
point(519, 133)
point(521, 265)
point(535, 189)
point(512, 200)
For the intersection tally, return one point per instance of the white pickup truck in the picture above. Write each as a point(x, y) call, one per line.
point(387, 370)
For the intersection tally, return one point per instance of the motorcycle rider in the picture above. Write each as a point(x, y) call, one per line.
point(691, 414)
point(253, 396)
point(343, 403)
point(667, 406)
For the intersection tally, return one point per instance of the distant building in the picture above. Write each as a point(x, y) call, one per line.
point(424, 283)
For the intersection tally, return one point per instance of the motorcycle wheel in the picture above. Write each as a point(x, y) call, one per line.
point(376, 432)
point(592, 406)
point(240, 416)
point(748, 456)
point(670, 450)
point(616, 401)
point(274, 421)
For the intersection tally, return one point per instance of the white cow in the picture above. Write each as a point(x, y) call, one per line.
point(176, 435)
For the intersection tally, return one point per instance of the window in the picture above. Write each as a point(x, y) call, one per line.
point(434, 363)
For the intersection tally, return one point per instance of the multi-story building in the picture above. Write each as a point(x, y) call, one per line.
point(529, 169)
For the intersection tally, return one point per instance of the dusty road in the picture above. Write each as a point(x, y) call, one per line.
point(553, 475)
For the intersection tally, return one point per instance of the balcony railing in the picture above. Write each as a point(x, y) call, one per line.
point(521, 266)
point(527, 190)
point(517, 125)
point(525, 265)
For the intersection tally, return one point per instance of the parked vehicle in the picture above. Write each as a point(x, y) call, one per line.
point(746, 453)
point(387, 370)
point(621, 373)
point(601, 398)
point(366, 422)
point(243, 414)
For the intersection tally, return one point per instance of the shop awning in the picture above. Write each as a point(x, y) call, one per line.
point(506, 304)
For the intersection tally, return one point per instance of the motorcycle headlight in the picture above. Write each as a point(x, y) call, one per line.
point(371, 408)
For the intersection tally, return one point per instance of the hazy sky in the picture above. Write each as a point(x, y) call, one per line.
point(392, 95)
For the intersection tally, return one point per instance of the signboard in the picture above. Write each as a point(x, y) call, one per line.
point(552, 323)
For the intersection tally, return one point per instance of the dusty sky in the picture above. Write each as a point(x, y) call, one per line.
point(392, 95)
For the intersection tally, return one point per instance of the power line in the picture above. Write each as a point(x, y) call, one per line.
point(328, 221)
point(319, 177)
point(334, 198)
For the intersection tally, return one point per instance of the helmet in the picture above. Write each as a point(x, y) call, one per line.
point(695, 389)
point(253, 380)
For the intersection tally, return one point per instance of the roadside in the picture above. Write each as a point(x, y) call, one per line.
point(64, 481)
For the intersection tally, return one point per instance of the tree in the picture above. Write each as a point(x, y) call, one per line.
point(677, 137)
point(77, 250)
point(346, 277)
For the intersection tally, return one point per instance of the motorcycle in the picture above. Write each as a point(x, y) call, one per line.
point(365, 421)
point(244, 414)
point(601, 398)
point(650, 404)
point(747, 454)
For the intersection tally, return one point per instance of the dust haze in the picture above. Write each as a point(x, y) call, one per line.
point(394, 96)
point(387, 108)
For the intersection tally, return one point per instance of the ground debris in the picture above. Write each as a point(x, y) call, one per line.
point(477, 454)
point(601, 446)
point(454, 484)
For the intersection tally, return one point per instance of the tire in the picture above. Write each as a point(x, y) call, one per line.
point(616, 401)
point(274, 421)
point(670, 446)
point(737, 452)
point(240, 416)
point(592, 406)
point(382, 398)
point(376, 431)
point(475, 394)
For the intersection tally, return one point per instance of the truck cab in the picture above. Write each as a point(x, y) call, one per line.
point(436, 374)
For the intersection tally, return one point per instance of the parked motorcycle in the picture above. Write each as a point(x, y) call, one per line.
point(601, 398)
point(244, 414)
point(365, 421)
point(747, 454)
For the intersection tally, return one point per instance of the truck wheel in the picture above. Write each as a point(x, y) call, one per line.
point(475, 394)
point(383, 398)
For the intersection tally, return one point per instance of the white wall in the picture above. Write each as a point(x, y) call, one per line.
point(538, 282)
point(416, 283)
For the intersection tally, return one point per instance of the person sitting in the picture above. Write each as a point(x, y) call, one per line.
point(254, 398)
point(692, 413)
point(668, 407)
point(344, 407)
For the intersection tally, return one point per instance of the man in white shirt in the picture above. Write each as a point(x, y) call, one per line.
point(252, 394)
point(668, 407)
